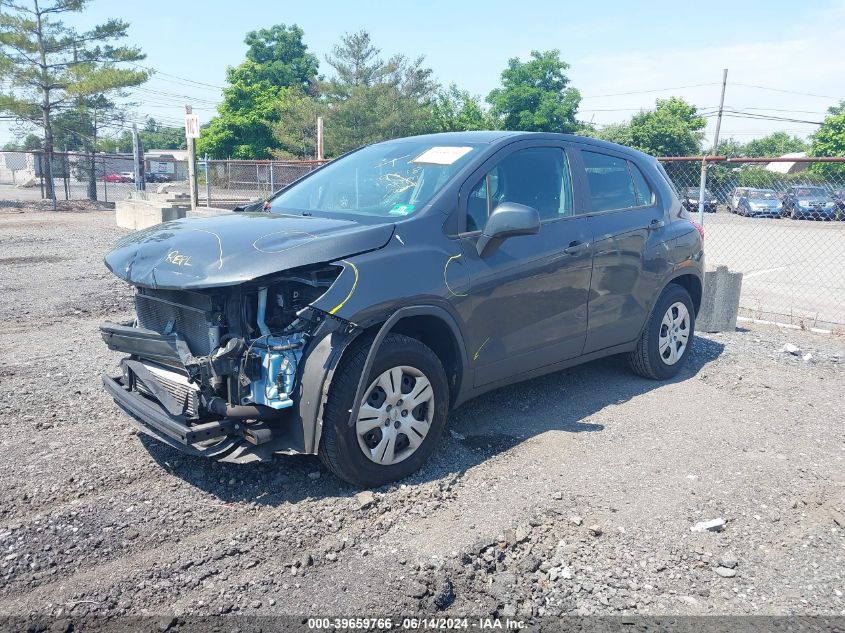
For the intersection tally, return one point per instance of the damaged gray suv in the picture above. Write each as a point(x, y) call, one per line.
point(353, 309)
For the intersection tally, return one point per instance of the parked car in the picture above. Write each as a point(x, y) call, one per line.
point(128, 176)
point(733, 200)
point(690, 195)
point(151, 176)
point(808, 201)
point(366, 300)
point(114, 177)
point(756, 202)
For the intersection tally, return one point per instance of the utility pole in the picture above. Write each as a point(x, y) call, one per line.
point(191, 134)
point(319, 138)
point(207, 182)
point(703, 181)
point(138, 159)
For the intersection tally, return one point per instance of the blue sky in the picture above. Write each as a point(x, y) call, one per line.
point(612, 47)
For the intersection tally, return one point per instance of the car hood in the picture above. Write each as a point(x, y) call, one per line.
point(814, 200)
point(229, 249)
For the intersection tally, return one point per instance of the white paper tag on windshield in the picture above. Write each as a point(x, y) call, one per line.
point(441, 155)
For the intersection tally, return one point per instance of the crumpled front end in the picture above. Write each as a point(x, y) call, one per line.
point(235, 373)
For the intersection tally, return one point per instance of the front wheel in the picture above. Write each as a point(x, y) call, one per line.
point(667, 337)
point(400, 418)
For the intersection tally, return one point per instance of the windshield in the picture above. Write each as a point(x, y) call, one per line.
point(385, 180)
point(762, 194)
point(810, 192)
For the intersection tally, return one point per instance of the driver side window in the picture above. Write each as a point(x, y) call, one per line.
point(537, 177)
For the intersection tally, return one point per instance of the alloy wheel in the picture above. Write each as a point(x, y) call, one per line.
point(674, 333)
point(395, 415)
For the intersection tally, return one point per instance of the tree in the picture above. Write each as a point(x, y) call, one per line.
point(730, 147)
point(370, 100)
point(295, 130)
point(829, 140)
point(673, 128)
point(455, 110)
point(276, 59)
point(31, 142)
point(153, 136)
point(535, 95)
point(616, 133)
point(775, 144)
point(50, 66)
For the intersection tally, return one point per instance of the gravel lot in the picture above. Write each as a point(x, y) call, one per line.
point(570, 494)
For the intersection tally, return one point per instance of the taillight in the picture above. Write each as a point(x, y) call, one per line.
point(699, 228)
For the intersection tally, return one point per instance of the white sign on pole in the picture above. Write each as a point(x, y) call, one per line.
point(192, 126)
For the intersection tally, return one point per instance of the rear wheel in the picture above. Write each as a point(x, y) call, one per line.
point(400, 418)
point(667, 337)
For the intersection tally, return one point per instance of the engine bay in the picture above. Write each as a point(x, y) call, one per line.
point(239, 348)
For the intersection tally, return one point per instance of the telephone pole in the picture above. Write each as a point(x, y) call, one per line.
point(703, 180)
point(138, 159)
point(191, 134)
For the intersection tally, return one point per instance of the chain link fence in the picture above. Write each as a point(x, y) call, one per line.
point(779, 222)
point(228, 183)
point(76, 176)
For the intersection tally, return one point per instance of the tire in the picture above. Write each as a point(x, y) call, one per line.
point(342, 451)
point(646, 359)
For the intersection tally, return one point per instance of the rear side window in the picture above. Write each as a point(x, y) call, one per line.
point(645, 196)
point(615, 183)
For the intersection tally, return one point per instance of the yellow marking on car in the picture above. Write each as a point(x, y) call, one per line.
point(445, 281)
point(478, 351)
point(354, 284)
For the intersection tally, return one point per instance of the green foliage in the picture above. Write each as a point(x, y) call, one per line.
point(153, 136)
point(617, 133)
point(775, 144)
point(455, 110)
point(31, 142)
point(370, 100)
point(729, 147)
point(295, 131)
point(673, 128)
point(829, 140)
point(50, 67)
point(535, 95)
point(276, 59)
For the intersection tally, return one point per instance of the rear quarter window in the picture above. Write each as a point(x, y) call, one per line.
point(615, 183)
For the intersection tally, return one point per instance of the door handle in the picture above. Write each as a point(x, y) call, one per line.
point(576, 247)
point(656, 224)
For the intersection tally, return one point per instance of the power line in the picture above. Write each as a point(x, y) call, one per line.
point(738, 114)
point(791, 92)
point(183, 79)
point(639, 92)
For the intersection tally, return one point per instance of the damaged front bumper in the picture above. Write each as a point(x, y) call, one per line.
point(166, 392)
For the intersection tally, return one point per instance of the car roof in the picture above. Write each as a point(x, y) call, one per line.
point(502, 137)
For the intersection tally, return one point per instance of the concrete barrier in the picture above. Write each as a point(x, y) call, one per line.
point(720, 301)
point(136, 214)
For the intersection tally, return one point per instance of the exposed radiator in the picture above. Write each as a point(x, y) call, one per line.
point(161, 315)
point(175, 384)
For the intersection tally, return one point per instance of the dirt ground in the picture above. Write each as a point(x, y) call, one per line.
point(570, 494)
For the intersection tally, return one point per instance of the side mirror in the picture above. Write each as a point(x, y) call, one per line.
point(507, 220)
